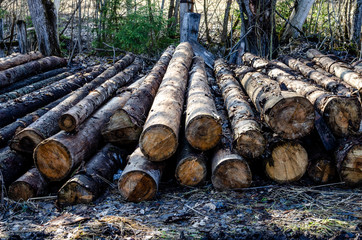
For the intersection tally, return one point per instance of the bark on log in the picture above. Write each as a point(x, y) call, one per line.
point(288, 114)
point(56, 157)
point(125, 126)
point(191, 169)
point(247, 135)
point(17, 73)
point(31, 88)
point(255, 61)
point(140, 178)
point(19, 59)
point(339, 69)
point(32, 101)
point(288, 161)
point(31, 80)
point(91, 182)
point(349, 161)
point(203, 125)
point(159, 138)
point(31, 184)
point(12, 165)
point(47, 125)
point(75, 116)
point(229, 170)
point(342, 115)
point(8, 132)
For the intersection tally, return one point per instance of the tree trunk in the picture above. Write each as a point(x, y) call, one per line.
point(2, 54)
point(19, 59)
point(75, 116)
point(47, 125)
point(44, 20)
point(18, 73)
point(248, 139)
point(229, 170)
point(22, 37)
point(297, 19)
point(32, 80)
point(191, 168)
point(349, 161)
point(342, 115)
point(225, 23)
point(189, 31)
point(203, 125)
point(32, 101)
point(12, 165)
point(339, 69)
point(8, 132)
point(159, 138)
point(33, 87)
point(31, 184)
point(125, 126)
point(355, 35)
point(58, 156)
point(288, 114)
point(140, 178)
point(91, 182)
point(288, 161)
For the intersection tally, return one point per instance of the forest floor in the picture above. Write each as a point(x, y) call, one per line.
point(268, 212)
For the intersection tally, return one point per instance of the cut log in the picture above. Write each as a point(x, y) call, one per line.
point(17, 73)
point(203, 125)
point(47, 125)
point(56, 157)
point(91, 182)
point(342, 115)
point(247, 135)
point(12, 165)
point(8, 132)
point(322, 170)
point(288, 114)
point(349, 161)
point(75, 116)
point(288, 161)
point(255, 61)
point(30, 185)
point(229, 170)
point(31, 88)
point(21, 106)
point(159, 138)
point(19, 59)
point(31, 80)
point(339, 69)
point(191, 169)
point(140, 178)
point(125, 126)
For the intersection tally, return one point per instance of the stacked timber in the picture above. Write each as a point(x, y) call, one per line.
point(19, 59)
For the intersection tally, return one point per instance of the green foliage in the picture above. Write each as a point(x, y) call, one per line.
point(3, 13)
point(141, 31)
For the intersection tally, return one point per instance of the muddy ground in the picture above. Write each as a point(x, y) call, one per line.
point(266, 212)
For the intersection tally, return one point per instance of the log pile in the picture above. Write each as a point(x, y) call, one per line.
point(222, 125)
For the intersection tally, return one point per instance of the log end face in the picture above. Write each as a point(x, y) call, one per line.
point(292, 117)
point(26, 140)
point(53, 160)
point(137, 186)
point(204, 132)
point(233, 173)
point(158, 142)
point(250, 144)
point(76, 191)
point(288, 163)
point(351, 167)
point(67, 122)
point(20, 190)
point(322, 171)
point(191, 172)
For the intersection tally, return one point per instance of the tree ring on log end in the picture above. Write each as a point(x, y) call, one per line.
point(77, 190)
point(291, 117)
point(232, 173)
point(53, 159)
point(288, 163)
point(190, 172)
point(67, 122)
point(351, 167)
point(158, 142)
point(137, 186)
point(203, 132)
point(250, 144)
point(26, 140)
point(21, 191)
